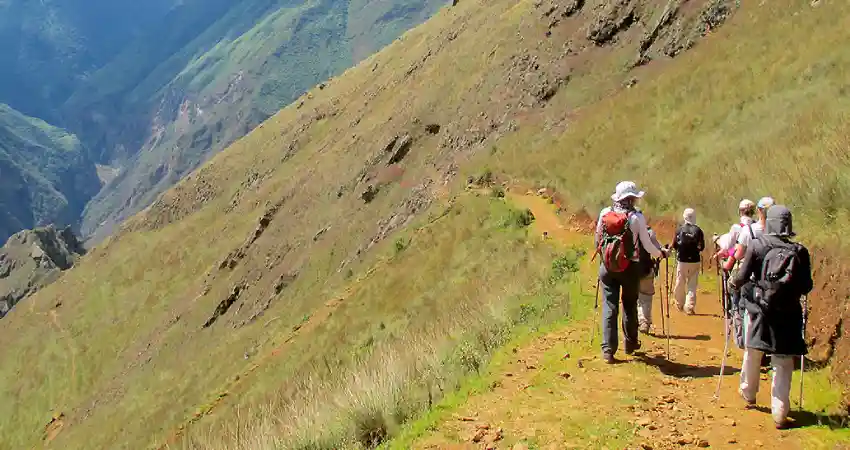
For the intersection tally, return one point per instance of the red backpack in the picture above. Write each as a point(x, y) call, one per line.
point(616, 244)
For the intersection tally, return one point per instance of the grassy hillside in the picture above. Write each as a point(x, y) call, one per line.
point(331, 272)
point(45, 174)
point(209, 74)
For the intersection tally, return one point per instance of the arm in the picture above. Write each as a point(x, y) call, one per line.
point(748, 267)
point(597, 236)
point(806, 281)
point(730, 263)
point(638, 225)
point(675, 245)
point(701, 240)
point(654, 238)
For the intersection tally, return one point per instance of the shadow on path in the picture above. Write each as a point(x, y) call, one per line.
point(681, 370)
point(805, 419)
point(699, 337)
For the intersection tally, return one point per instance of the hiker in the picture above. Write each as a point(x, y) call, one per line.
point(781, 274)
point(747, 210)
point(649, 267)
point(744, 227)
point(744, 238)
point(689, 244)
point(620, 233)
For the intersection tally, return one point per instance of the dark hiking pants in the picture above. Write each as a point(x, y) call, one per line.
point(613, 286)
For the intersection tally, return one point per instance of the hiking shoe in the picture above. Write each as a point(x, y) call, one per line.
point(608, 358)
point(749, 403)
point(644, 327)
point(783, 424)
point(689, 311)
point(630, 349)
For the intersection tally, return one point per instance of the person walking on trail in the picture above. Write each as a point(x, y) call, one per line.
point(689, 244)
point(646, 288)
point(746, 235)
point(746, 211)
point(744, 227)
point(620, 234)
point(776, 272)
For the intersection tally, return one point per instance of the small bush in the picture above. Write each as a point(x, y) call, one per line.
point(565, 264)
point(370, 426)
point(486, 178)
point(400, 245)
point(518, 218)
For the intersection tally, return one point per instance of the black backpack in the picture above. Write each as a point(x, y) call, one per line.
point(687, 239)
point(778, 279)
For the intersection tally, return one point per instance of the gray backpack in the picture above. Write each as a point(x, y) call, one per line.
point(776, 283)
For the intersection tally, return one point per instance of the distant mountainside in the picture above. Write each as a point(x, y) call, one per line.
point(209, 73)
point(48, 46)
point(154, 88)
point(45, 174)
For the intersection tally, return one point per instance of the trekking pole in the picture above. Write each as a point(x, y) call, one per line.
point(803, 357)
point(595, 313)
point(667, 281)
point(726, 332)
point(661, 303)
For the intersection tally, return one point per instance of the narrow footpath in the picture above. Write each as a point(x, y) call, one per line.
point(555, 392)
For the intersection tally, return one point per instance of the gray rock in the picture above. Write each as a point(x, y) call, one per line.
point(32, 259)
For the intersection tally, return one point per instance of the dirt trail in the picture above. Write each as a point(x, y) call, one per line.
point(556, 392)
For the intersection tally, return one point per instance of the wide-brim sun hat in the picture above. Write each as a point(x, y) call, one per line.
point(765, 202)
point(626, 189)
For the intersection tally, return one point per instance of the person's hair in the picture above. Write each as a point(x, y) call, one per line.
point(628, 201)
point(748, 211)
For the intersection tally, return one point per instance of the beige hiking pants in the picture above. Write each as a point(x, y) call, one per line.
point(783, 368)
point(687, 278)
point(646, 291)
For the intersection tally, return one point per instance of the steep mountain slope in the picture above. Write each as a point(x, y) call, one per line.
point(47, 46)
point(45, 174)
point(208, 74)
point(328, 277)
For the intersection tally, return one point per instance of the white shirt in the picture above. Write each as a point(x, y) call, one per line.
point(637, 223)
point(745, 237)
point(737, 230)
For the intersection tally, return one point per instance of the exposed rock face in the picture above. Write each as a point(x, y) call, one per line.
point(32, 259)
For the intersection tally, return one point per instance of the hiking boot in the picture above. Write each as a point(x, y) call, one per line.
point(749, 403)
point(608, 358)
point(782, 424)
point(644, 327)
point(631, 348)
point(689, 311)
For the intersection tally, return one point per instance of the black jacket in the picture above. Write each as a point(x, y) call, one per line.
point(776, 331)
point(689, 255)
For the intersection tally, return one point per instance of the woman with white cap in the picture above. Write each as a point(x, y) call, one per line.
point(621, 232)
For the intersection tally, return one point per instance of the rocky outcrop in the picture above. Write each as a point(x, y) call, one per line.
point(32, 259)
